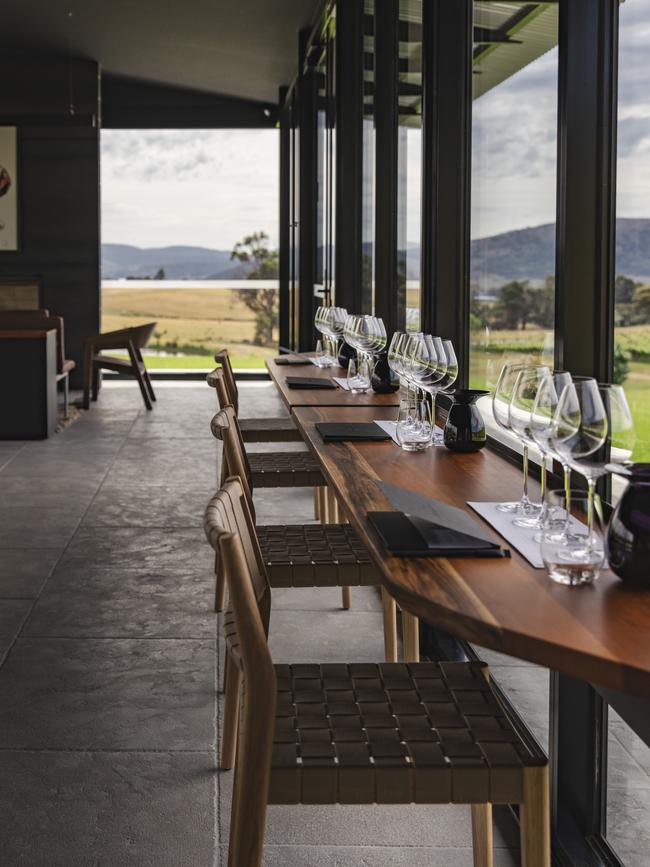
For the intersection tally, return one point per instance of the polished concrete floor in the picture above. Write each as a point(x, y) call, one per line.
point(110, 656)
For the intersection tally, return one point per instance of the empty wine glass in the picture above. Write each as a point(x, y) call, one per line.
point(522, 401)
point(579, 429)
point(429, 367)
point(451, 364)
point(395, 354)
point(501, 411)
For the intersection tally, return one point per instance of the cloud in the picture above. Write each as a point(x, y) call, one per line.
point(197, 187)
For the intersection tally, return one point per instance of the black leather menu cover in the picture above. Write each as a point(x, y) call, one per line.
point(309, 382)
point(406, 536)
point(351, 431)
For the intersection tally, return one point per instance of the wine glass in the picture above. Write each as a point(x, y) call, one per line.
point(395, 355)
point(546, 400)
point(501, 411)
point(451, 363)
point(522, 401)
point(578, 430)
point(430, 367)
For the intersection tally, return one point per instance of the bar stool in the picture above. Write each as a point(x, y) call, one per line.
point(254, 430)
point(308, 555)
point(425, 733)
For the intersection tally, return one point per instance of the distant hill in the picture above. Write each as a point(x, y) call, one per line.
point(529, 254)
point(179, 263)
point(525, 254)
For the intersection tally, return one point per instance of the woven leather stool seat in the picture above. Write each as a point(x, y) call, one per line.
point(315, 555)
point(394, 733)
point(268, 430)
point(284, 470)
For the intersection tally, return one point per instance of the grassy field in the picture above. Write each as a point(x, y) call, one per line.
point(195, 322)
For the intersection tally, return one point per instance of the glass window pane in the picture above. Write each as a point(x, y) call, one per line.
point(514, 165)
point(632, 287)
point(409, 159)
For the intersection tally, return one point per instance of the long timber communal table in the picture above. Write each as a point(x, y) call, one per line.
point(599, 634)
point(294, 397)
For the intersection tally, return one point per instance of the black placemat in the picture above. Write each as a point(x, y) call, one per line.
point(309, 382)
point(332, 431)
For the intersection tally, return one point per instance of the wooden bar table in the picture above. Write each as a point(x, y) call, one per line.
point(599, 634)
point(294, 397)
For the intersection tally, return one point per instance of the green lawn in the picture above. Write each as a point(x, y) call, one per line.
point(205, 362)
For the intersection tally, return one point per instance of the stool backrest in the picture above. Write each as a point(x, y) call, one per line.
point(217, 380)
point(225, 427)
point(223, 358)
point(227, 515)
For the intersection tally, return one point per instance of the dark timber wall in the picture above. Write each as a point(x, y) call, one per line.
point(55, 106)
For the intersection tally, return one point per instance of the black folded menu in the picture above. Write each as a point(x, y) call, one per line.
point(424, 527)
point(309, 382)
point(291, 360)
point(342, 431)
point(409, 536)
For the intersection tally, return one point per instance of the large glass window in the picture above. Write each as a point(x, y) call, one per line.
point(632, 287)
point(514, 164)
point(189, 235)
point(325, 156)
point(409, 159)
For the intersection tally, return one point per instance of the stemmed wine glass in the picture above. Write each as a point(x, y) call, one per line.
point(524, 392)
point(395, 359)
point(579, 429)
point(501, 400)
point(550, 388)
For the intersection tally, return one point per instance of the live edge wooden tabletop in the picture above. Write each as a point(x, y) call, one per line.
point(599, 634)
point(322, 396)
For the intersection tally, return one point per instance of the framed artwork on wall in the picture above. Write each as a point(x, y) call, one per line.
point(8, 189)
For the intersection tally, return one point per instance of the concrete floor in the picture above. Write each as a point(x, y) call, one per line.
point(110, 653)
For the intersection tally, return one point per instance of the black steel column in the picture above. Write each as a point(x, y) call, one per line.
point(447, 84)
point(349, 153)
point(584, 328)
point(388, 303)
point(284, 217)
point(578, 749)
point(586, 224)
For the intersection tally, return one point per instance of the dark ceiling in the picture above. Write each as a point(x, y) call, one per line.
point(240, 48)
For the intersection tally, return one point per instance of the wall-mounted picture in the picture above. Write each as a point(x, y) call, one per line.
point(8, 189)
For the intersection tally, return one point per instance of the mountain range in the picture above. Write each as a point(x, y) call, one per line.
point(524, 254)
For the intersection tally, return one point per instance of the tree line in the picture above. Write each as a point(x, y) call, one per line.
point(517, 305)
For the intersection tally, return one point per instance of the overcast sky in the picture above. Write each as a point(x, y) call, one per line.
point(210, 188)
point(206, 188)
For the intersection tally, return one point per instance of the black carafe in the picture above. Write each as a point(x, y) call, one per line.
point(383, 380)
point(346, 353)
point(628, 536)
point(465, 429)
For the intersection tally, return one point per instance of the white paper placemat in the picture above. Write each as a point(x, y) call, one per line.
point(390, 427)
point(521, 538)
point(342, 382)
